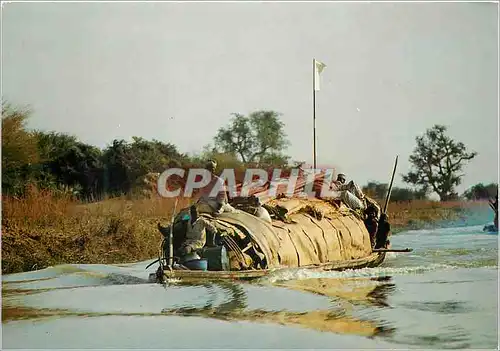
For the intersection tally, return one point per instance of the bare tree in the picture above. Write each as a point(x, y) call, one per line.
point(437, 162)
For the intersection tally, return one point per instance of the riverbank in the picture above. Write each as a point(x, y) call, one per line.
point(41, 231)
point(425, 214)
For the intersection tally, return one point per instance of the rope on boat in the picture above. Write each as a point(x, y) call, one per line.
point(233, 246)
point(161, 254)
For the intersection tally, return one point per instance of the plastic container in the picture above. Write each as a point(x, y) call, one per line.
point(196, 265)
point(217, 258)
point(190, 257)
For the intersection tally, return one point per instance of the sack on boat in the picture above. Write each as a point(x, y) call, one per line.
point(351, 200)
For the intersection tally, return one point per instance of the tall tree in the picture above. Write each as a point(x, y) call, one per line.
point(127, 163)
point(437, 161)
point(19, 149)
point(66, 161)
point(254, 138)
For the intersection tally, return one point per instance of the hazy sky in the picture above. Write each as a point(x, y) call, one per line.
point(176, 72)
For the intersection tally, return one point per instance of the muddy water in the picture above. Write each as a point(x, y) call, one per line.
point(442, 295)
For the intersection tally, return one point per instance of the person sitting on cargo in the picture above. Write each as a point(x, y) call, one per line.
point(219, 203)
point(350, 193)
point(262, 213)
point(384, 228)
point(196, 233)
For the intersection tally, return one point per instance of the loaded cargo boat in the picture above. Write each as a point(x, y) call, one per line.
point(302, 233)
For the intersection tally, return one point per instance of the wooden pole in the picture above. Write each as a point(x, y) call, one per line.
point(171, 238)
point(314, 113)
point(392, 250)
point(390, 186)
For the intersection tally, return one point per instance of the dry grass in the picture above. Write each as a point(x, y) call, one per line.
point(419, 213)
point(41, 229)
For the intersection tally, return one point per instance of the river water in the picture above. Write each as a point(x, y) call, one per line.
point(444, 294)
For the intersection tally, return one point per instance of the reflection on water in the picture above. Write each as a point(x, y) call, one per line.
point(234, 308)
point(442, 295)
point(373, 291)
point(332, 320)
point(379, 295)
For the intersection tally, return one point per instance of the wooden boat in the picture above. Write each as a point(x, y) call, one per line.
point(493, 228)
point(490, 229)
point(310, 233)
point(373, 260)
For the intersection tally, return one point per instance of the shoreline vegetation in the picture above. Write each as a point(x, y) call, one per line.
point(41, 230)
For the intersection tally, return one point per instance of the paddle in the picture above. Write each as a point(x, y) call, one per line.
point(171, 238)
point(385, 210)
point(390, 186)
point(392, 250)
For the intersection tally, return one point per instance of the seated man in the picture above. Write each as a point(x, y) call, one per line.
point(371, 223)
point(262, 213)
point(383, 232)
point(218, 203)
point(196, 233)
point(350, 193)
point(252, 205)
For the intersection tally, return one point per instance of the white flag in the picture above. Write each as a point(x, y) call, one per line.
point(318, 68)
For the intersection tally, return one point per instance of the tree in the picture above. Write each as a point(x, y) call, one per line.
point(378, 191)
point(66, 161)
point(275, 159)
point(257, 137)
point(436, 161)
point(406, 194)
point(127, 163)
point(19, 150)
point(481, 192)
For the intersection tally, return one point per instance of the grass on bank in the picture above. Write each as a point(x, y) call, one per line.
point(42, 229)
point(418, 214)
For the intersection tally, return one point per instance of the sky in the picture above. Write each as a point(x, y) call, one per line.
point(177, 71)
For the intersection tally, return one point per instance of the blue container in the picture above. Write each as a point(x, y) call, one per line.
point(217, 258)
point(196, 265)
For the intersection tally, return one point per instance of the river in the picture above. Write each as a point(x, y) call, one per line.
point(444, 294)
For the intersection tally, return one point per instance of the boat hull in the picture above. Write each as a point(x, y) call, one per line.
point(372, 260)
point(490, 229)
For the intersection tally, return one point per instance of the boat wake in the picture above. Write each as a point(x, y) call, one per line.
point(78, 275)
point(355, 273)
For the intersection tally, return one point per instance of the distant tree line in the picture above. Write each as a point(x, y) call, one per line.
point(62, 163)
point(379, 191)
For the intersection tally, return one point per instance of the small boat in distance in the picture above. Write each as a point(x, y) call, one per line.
point(493, 228)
